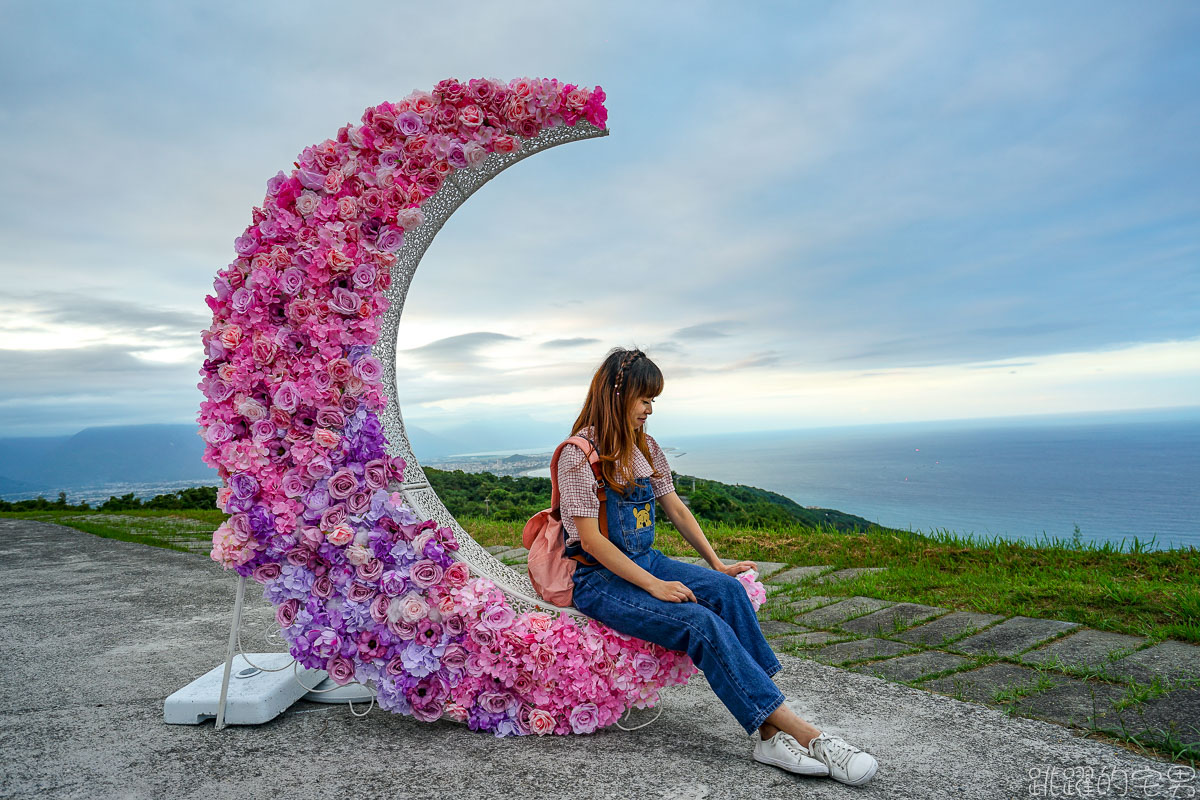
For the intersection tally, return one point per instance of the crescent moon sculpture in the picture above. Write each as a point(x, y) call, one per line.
point(372, 578)
point(417, 491)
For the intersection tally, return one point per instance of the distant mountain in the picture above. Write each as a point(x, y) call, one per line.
point(117, 453)
point(143, 454)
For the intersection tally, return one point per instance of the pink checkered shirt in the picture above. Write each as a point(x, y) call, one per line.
point(577, 485)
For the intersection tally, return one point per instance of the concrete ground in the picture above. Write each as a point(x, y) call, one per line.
point(98, 632)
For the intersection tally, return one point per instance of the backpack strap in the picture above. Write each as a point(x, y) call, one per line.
point(593, 455)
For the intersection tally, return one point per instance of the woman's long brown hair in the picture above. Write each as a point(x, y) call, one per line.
point(623, 378)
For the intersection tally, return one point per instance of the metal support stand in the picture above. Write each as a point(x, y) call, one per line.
point(233, 636)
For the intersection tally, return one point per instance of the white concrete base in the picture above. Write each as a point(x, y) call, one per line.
point(330, 692)
point(254, 697)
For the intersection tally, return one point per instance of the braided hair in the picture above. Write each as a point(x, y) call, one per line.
point(623, 378)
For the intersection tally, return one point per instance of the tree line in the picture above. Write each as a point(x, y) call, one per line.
point(516, 499)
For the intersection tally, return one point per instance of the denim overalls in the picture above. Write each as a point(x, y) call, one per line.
point(720, 632)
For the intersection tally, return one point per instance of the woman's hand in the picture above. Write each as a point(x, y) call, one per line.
point(734, 569)
point(671, 591)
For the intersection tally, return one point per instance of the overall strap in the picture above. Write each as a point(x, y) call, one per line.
point(594, 462)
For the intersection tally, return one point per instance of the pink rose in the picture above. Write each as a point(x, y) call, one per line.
point(326, 437)
point(358, 503)
point(495, 702)
point(341, 534)
point(251, 409)
point(285, 614)
point(323, 587)
point(340, 669)
point(359, 593)
point(457, 574)
point(497, 616)
point(342, 484)
point(645, 666)
point(410, 608)
point(504, 143)
point(455, 656)
point(584, 718)
point(484, 637)
point(541, 721)
point(347, 208)
point(368, 368)
point(333, 516)
point(403, 630)
point(475, 153)
point(357, 554)
point(456, 711)
point(409, 218)
point(307, 203)
point(333, 180)
point(426, 573)
point(265, 572)
point(375, 474)
point(536, 620)
point(339, 369)
point(231, 336)
point(371, 570)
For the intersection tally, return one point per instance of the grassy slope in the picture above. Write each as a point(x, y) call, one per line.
point(1155, 594)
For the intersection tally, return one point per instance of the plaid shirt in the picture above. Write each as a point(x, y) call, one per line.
point(577, 485)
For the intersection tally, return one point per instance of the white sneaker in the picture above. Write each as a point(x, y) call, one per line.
point(783, 751)
point(846, 763)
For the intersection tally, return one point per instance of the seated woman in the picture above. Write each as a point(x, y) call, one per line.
point(630, 586)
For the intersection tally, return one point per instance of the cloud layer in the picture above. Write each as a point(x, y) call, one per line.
point(842, 213)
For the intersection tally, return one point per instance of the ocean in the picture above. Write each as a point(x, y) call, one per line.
point(1116, 476)
point(1137, 476)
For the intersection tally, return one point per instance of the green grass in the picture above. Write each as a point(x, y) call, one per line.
point(174, 530)
point(1131, 590)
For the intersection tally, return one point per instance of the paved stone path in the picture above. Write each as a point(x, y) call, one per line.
point(1068, 674)
point(132, 624)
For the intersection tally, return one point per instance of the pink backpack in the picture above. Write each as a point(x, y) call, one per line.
point(550, 569)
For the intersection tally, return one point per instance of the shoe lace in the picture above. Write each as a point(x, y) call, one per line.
point(839, 751)
point(789, 741)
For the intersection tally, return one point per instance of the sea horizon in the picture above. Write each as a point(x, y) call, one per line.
point(1117, 475)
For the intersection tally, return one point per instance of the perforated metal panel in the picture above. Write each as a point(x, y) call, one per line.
point(420, 496)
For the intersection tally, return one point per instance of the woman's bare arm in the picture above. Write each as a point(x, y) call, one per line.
point(599, 547)
point(685, 522)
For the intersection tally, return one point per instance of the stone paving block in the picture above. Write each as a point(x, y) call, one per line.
point(1012, 636)
point(773, 627)
point(796, 574)
point(909, 668)
point(812, 639)
point(772, 588)
point(1070, 701)
point(691, 559)
point(1176, 713)
point(511, 552)
point(498, 548)
point(948, 628)
point(846, 574)
point(1087, 648)
point(809, 603)
point(858, 649)
point(883, 622)
point(980, 684)
point(1171, 660)
point(828, 616)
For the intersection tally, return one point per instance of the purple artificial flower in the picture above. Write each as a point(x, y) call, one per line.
point(243, 484)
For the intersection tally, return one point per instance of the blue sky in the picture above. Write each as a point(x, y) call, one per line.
point(806, 213)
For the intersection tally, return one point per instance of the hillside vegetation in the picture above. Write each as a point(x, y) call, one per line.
point(505, 498)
